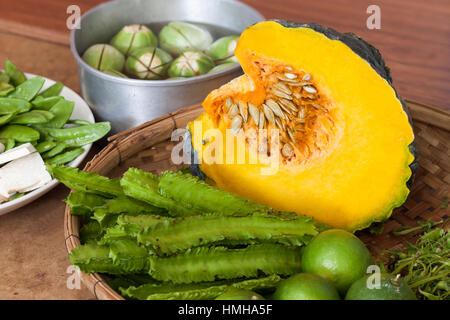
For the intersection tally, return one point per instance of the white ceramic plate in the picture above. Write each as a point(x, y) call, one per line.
point(81, 111)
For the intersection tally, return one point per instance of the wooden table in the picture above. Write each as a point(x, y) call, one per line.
point(414, 39)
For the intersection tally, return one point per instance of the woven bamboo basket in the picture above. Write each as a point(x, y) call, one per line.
point(149, 147)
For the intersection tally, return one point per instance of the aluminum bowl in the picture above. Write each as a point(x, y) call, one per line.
point(130, 102)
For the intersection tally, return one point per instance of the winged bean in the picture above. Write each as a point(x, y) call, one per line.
point(28, 89)
point(19, 133)
point(16, 76)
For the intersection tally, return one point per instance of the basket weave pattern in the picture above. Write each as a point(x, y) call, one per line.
point(149, 147)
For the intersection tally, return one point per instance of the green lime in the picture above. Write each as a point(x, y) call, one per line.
point(305, 286)
point(239, 294)
point(338, 256)
point(388, 288)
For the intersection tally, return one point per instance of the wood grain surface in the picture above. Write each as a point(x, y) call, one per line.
point(414, 40)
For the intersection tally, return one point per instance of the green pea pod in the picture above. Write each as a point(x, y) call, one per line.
point(28, 89)
point(78, 136)
point(78, 122)
point(60, 147)
point(53, 90)
point(33, 117)
point(6, 118)
point(62, 112)
point(45, 146)
point(4, 78)
point(42, 103)
point(16, 76)
point(5, 89)
point(19, 133)
point(8, 143)
point(12, 105)
point(66, 156)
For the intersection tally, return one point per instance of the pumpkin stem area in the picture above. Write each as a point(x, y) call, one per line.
point(293, 106)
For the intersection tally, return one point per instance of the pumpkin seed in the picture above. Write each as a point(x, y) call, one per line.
point(276, 108)
point(291, 134)
point(281, 94)
point(309, 89)
point(254, 112)
point(236, 124)
point(289, 81)
point(234, 111)
point(269, 113)
point(243, 110)
point(319, 107)
point(301, 114)
point(261, 121)
point(288, 104)
point(290, 76)
point(282, 87)
point(280, 124)
point(306, 77)
point(287, 150)
point(228, 103)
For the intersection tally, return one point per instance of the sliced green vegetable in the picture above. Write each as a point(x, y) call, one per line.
point(209, 264)
point(196, 291)
point(142, 185)
point(196, 194)
point(19, 133)
point(89, 182)
point(28, 89)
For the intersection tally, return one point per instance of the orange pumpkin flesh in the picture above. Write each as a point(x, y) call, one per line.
point(342, 150)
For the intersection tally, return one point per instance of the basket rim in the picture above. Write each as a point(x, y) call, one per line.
point(427, 114)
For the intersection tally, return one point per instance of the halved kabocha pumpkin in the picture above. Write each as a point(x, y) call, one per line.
point(342, 148)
